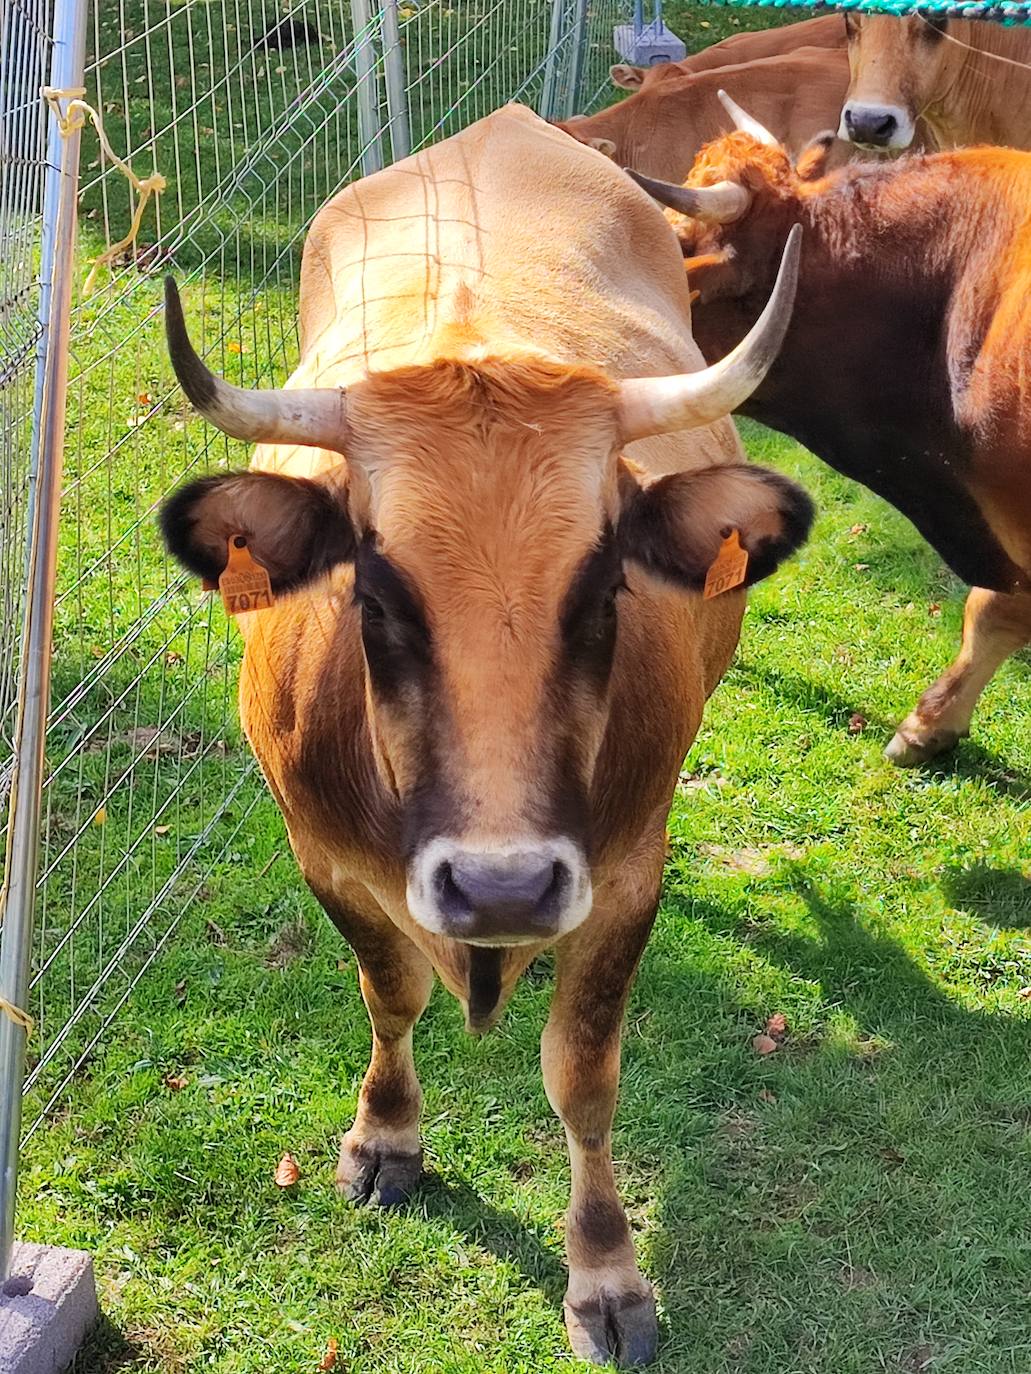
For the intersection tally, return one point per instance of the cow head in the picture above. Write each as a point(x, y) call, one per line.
point(489, 516)
point(742, 195)
point(899, 69)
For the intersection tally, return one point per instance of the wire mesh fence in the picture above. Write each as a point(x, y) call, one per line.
point(254, 113)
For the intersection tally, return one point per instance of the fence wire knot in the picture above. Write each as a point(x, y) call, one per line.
point(70, 121)
point(19, 1017)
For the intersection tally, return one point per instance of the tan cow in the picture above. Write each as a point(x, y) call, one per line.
point(489, 653)
point(969, 81)
point(827, 31)
point(660, 130)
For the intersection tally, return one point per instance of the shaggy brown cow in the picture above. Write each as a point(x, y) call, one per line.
point(907, 360)
point(660, 130)
point(967, 80)
point(447, 697)
point(826, 31)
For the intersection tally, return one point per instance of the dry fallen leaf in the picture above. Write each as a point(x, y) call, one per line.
point(143, 398)
point(777, 1025)
point(934, 609)
point(176, 1082)
point(859, 529)
point(860, 567)
point(180, 993)
point(856, 724)
point(100, 816)
point(287, 1172)
point(330, 1358)
point(766, 1096)
point(764, 1044)
point(162, 829)
point(233, 347)
point(1025, 994)
point(341, 965)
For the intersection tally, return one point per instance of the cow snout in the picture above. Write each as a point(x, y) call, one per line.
point(499, 897)
point(876, 126)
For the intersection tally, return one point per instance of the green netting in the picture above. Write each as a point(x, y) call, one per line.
point(1008, 12)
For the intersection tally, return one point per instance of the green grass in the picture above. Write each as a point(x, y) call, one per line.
point(854, 1203)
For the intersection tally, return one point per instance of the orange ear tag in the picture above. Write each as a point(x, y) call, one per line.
point(728, 568)
point(245, 585)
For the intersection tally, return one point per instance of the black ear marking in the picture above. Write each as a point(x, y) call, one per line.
point(673, 527)
point(296, 528)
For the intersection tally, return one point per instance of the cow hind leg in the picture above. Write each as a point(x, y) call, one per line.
point(995, 625)
point(609, 1305)
point(381, 1156)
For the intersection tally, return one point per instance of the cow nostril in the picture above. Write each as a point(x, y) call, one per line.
point(471, 886)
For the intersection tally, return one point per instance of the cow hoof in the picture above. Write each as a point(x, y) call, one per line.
point(908, 751)
point(379, 1177)
point(621, 1331)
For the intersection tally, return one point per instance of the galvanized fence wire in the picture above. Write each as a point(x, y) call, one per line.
point(255, 113)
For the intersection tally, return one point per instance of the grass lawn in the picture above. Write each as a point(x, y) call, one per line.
point(855, 1202)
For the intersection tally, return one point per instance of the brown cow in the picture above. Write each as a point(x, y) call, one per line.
point(968, 80)
point(659, 130)
point(827, 31)
point(447, 697)
point(906, 362)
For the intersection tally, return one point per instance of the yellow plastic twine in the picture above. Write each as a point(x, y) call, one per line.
point(19, 1017)
point(73, 118)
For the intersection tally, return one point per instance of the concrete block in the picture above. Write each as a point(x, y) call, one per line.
point(649, 45)
point(46, 1308)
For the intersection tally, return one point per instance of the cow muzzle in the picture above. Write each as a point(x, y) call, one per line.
point(876, 126)
point(515, 894)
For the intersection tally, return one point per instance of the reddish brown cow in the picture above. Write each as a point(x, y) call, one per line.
point(659, 130)
point(827, 31)
point(447, 697)
point(907, 360)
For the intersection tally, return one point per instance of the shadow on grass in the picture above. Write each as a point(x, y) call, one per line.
point(997, 896)
point(504, 1234)
point(967, 760)
point(933, 1120)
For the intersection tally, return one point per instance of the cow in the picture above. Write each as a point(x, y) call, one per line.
point(906, 360)
point(447, 697)
point(660, 130)
point(826, 31)
point(968, 81)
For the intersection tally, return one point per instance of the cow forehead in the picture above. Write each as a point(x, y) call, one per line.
point(492, 478)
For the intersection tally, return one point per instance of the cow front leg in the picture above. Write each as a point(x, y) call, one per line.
point(381, 1155)
point(609, 1305)
point(995, 625)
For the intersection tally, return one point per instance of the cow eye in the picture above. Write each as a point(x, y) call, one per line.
point(373, 610)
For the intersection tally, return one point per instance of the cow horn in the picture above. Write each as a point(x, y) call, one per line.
point(744, 121)
point(313, 417)
point(719, 204)
point(660, 405)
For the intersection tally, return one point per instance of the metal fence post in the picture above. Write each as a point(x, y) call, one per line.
point(576, 58)
point(57, 265)
point(365, 64)
point(546, 108)
point(394, 71)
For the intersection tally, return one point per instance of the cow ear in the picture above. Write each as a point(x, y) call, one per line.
point(627, 77)
point(675, 526)
point(294, 528)
point(812, 160)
